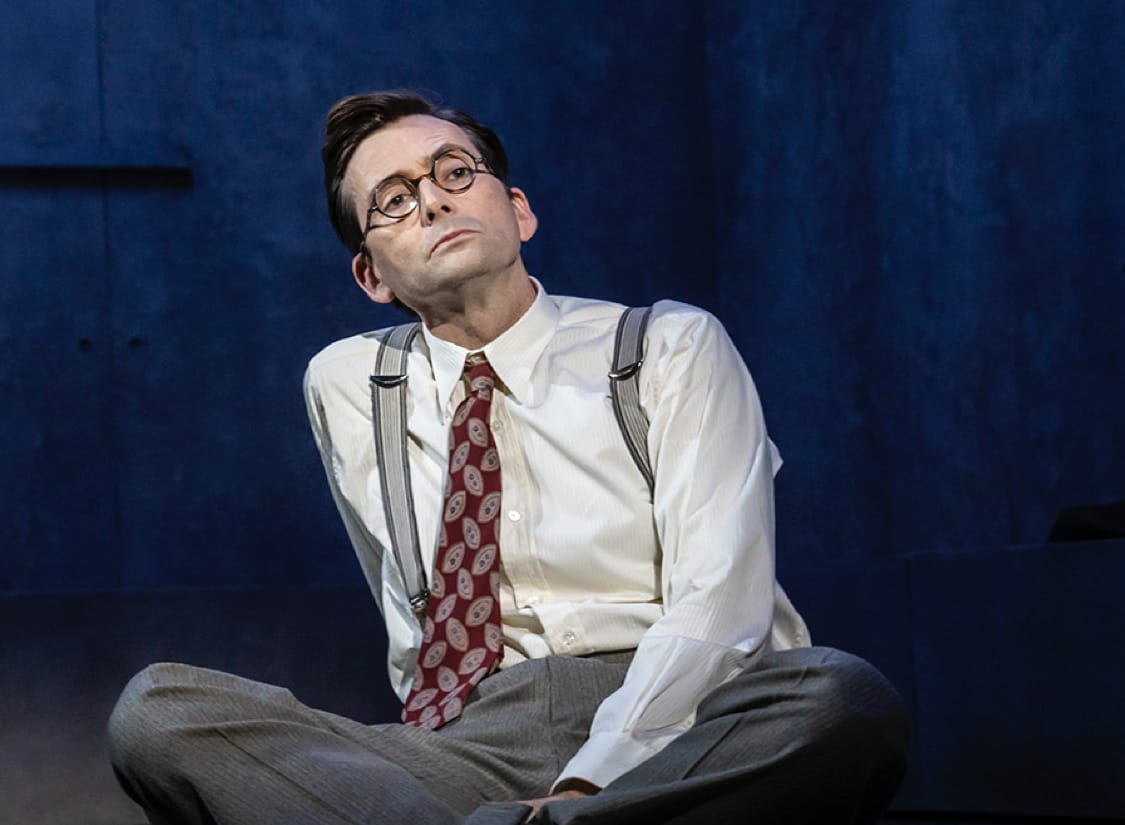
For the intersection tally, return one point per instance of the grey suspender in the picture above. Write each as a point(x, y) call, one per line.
point(388, 414)
point(388, 408)
point(625, 385)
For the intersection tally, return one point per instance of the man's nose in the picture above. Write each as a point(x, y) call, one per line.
point(433, 200)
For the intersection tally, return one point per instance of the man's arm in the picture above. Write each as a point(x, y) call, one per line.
point(713, 510)
point(368, 551)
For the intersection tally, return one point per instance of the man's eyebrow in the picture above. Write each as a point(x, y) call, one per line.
point(441, 150)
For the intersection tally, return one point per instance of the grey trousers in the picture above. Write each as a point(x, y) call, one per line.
point(804, 736)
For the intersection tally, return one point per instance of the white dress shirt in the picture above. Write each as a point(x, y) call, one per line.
point(590, 563)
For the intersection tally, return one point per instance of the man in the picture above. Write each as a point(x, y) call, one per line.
point(591, 650)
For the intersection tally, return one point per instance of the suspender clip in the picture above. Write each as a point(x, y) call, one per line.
point(418, 603)
point(626, 371)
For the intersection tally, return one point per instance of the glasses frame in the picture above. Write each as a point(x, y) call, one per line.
point(479, 167)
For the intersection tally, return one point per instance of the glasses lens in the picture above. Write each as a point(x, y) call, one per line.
point(395, 198)
point(454, 171)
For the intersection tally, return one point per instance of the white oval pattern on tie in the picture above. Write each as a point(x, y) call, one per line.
point(437, 588)
point(455, 506)
point(483, 560)
point(446, 679)
point(493, 637)
point(422, 698)
point(490, 461)
point(478, 432)
point(454, 556)
point(479, 611)
point(453, 707)
point(489, 508)
point(482, 387)
point(464, 584)
point(459, 457)
point(471, 532)
point(430, 718)
point(434, 654)
point(445, 608)
point(472, 660)
point(457, 635)
point(474, 484)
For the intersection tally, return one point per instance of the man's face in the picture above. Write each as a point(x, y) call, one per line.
point(450, 238)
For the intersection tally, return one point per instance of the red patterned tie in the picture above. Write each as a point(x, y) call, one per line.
point(462, 641)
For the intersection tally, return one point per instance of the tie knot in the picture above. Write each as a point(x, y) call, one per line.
point(481, 377)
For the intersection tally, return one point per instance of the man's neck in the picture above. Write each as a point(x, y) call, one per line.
point(483, 314)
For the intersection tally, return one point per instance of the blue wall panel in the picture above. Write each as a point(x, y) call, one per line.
point(147, 54)
point(924, 203)
point(50, 103)
point(1018, 707)
point(56, 393)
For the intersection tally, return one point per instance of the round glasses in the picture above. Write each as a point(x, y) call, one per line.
point(454, 170)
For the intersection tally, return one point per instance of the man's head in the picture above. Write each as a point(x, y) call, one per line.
point(455, 219)
point(354, 119)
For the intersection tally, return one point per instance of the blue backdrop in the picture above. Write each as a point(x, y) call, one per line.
point(908, 214)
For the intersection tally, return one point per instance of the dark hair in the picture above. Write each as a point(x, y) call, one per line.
point(355, 118)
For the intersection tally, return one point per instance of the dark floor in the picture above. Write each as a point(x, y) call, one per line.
point(931, 818)
point(64, 659)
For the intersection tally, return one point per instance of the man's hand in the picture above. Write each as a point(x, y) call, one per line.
point(569, 789)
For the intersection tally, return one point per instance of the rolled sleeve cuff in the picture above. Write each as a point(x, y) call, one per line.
point(606, 756)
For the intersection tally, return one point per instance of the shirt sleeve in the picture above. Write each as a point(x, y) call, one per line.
point(367, 549)
point(713, 508)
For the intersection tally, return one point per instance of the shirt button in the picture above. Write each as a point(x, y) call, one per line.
point(534, 600)
point(569, 638)
point(497, 426)
point(514, 515)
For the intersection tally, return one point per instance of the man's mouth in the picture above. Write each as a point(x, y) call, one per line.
point(449, 236)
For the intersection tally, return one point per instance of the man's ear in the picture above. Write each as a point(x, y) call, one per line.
point(363, 268)
point(525, 218)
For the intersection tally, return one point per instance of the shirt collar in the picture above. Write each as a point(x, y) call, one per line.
point(513, 354)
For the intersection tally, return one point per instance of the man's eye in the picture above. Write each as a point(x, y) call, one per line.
point(453, 173)
point(394, 202)
point(455, 176)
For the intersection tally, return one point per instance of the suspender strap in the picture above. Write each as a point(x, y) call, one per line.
point(388, 408)
point(625, 383)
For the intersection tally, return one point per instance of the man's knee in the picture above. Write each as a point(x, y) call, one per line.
point(821, 695)
point(136, 716)
point(848, 704)
point(863, 699)
point(149, 712)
